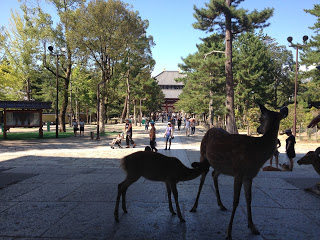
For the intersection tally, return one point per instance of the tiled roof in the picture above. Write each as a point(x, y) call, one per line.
point(25, 105)
point(172, 93)
point(168, 78)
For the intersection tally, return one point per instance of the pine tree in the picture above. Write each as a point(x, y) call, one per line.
point(310, 89)
point(225, 17)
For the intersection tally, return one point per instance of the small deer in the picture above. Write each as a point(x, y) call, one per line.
point(157, 167)
point(312, 157)
point(240, 156)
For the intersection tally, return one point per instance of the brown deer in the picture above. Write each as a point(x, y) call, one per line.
point(312, 157)
point(157, 167)
point(240, 156)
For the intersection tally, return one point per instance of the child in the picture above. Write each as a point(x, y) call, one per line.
point(152, 135)
point(117, 141)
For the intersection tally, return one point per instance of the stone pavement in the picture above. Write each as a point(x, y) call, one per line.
point(66, 189)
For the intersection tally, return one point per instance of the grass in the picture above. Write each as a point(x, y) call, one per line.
point(46, 135)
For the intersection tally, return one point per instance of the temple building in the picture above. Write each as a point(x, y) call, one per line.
point(170, 88)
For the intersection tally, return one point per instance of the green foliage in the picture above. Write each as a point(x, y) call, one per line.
point(303, 116)
point(204, 79)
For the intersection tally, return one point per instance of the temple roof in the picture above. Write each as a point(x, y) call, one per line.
point(25, 105)
point(168, 78)
point(171, 93)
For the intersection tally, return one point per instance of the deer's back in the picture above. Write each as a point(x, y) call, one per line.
point(152, 166)
point(231, 153)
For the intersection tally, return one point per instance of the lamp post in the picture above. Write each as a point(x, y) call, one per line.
point(98, 109)
point(57, 83)
point(289, 39)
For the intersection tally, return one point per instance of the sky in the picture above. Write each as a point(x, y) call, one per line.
point(170, 24)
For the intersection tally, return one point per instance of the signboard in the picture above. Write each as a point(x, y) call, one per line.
point(16, 118)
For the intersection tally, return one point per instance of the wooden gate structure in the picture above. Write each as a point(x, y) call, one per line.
point(22, 114)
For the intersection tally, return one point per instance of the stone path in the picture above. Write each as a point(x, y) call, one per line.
point(66, 189)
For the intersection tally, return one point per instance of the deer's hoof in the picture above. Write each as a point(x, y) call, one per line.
point(182, 220)
point(223, 208)
point(193, 210)
point(254, 230)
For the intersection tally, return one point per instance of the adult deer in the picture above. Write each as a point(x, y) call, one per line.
point(312, 157)
point(157, 167)
point(240, 156)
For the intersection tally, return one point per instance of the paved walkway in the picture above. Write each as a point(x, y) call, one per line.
point(66, 189)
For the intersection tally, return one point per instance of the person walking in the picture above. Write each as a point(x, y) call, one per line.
point(75, 127)
point(168, 135)
point(152, 135)
point(193, 126)
point(290, 142)
point(187, 125)
point(128, 131)
point(146, 126)
point(276, 155)
point(81, 123)
point(179, 123)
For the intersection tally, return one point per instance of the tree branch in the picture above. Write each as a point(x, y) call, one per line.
point(212, 52)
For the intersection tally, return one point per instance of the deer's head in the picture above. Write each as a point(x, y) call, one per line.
point(310, 157)
point(269, 118)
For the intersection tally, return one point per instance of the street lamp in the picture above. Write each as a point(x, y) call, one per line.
point(289, 39)
point(57, 85)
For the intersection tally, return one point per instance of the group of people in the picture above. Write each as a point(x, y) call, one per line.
point(168, 135)
point(76, 128)
point(290, 152)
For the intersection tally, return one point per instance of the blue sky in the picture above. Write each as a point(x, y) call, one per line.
point(170, 24)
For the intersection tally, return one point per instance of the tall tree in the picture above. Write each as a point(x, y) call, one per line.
point(63, 38)
point(310, 57)
point(226, 17)
point(105, 32)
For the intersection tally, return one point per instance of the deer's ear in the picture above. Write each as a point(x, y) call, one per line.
point(284, 111)
point(262, 108)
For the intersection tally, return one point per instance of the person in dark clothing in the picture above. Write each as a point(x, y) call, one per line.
point(290, 142)
point(179, 123)
point(128, 131)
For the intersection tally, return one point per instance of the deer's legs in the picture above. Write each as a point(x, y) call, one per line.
point(169, 198)
point(215, 175)
point(202, 179)
point(122, 189)
point(247, 183)
point(236, 197)
point(173, 187)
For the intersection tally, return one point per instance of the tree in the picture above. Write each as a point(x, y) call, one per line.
point(63, 37)
point(22, 48)
point(310, 90)
point(204, 79)
point(225, 17)
point(105, 31)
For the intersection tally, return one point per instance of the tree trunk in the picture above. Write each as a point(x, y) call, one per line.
point(128, 95)
point(28, 89)
point(124, 111)
point(134, 112)
point(231, 126)
point(64, 105)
